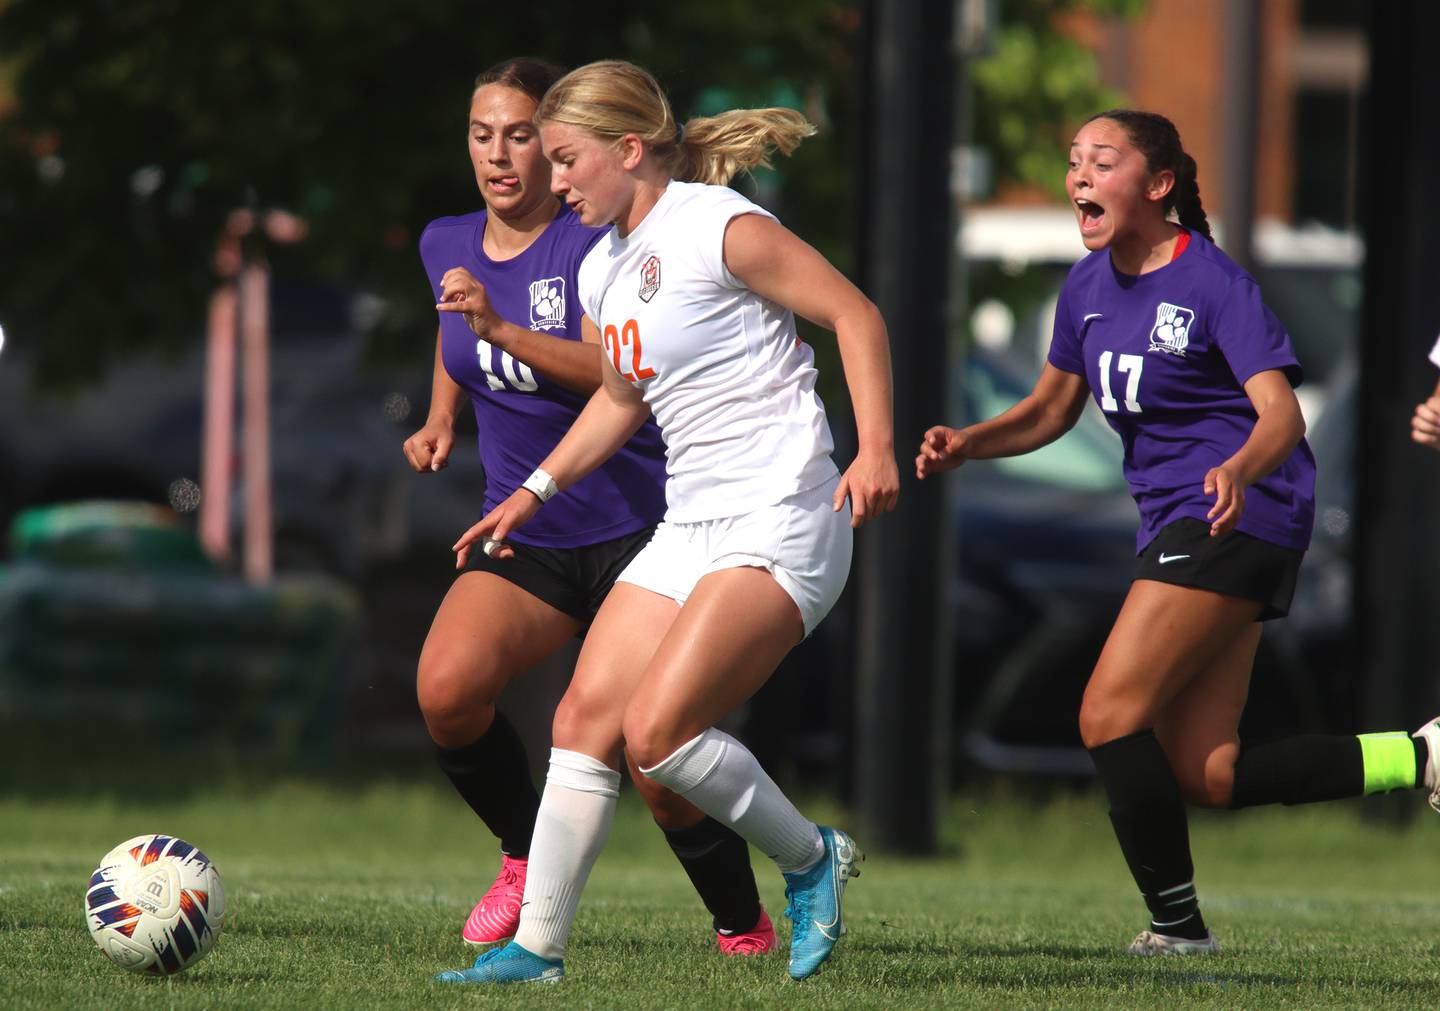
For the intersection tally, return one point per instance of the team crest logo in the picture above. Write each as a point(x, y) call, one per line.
point(1172, 329)
point(547, 303)
point(649, 278)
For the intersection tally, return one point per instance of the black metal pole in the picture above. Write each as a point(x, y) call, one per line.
point(902, 710)
point(1398, 483)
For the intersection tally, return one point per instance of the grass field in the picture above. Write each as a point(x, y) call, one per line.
point(350, 897)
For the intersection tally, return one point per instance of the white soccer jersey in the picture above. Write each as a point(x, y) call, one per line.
point(731, 385)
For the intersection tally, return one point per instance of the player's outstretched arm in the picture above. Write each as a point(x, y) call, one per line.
point(775, 263)
point(1046, 413)
point(611, 416)
point(573, 364)
point(1425, 423)
point(429, 449)
point(1278, 430)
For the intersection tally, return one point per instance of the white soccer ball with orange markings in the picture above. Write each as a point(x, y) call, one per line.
point(155, 905)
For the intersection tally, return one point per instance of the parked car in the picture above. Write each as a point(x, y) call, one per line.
point(343, 496)
point(345, 504)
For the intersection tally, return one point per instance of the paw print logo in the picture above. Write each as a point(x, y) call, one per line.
point(547, 303)
point(547, 306)
point(1171, 334)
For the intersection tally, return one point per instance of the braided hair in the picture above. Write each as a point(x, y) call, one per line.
point(1156, 138)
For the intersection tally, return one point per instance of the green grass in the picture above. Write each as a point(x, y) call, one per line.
point(351, 896)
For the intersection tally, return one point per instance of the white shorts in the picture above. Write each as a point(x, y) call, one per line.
point(801, 541)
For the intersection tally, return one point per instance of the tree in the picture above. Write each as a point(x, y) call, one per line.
point(1036, 86)
point(138, 125)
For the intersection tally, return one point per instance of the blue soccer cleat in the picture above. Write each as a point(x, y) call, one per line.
point(508, 964)
point(815, 896)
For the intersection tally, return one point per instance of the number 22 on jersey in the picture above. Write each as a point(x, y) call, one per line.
point(627, 338)
point(1128, 365)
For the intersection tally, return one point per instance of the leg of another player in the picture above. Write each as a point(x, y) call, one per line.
point(578, 806)
point(486, 631)
point(1163, 638)
point(734, 630)
point(583, 782)
point(1199, 731)
point(717, 861)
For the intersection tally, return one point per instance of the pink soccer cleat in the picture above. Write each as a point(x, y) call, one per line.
point(758, 940)
point(496, 916)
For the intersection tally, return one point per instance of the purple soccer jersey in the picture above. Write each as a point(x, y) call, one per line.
point(520, 413)
point(1167, 355)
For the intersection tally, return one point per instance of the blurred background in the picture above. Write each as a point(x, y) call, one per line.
point(162, 164)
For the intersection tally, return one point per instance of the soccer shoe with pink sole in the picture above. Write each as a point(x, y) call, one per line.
point(758, 940)
point(496, 916)
point(1430, 734)
point(1149, 943)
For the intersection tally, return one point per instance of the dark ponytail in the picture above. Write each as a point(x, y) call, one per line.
point(1185, 198)
point(1156, 138)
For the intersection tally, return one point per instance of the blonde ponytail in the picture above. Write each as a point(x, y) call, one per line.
point(613, 98)
point(715, 149)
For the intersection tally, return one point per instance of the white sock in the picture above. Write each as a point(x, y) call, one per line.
point(576, 811)
point(718, 775)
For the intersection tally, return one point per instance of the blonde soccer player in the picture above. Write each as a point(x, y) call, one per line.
point(526, 357)
point(695, 293)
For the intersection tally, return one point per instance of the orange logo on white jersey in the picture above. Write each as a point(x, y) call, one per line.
point(649, 278)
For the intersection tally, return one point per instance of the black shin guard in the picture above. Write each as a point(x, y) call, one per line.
point(718, 863)
point(1299, 770)
point(1314, 767)
point(1148, 813)
point(493, 775)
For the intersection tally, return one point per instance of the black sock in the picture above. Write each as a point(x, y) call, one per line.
point(718, 863)
point(1148, 813)
point(493, 775)
point(1310, 768)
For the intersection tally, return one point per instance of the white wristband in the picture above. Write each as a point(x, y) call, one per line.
point(541, 484)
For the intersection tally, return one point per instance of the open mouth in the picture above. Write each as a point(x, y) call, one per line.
point(504, 184)
point(1092, 215)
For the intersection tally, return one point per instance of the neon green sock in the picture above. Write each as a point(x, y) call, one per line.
point(1389, 761)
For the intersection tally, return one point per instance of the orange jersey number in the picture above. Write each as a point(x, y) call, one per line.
point(627, 336)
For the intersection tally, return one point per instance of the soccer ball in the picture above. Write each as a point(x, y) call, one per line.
point(155, 905)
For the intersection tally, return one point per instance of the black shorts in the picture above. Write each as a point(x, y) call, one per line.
point(1237, 565)
point(573, 580)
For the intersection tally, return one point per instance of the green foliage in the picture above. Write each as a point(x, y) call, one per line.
point(141, 124)
point(350, 897)
point(138, 126)
point(1036, 87)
